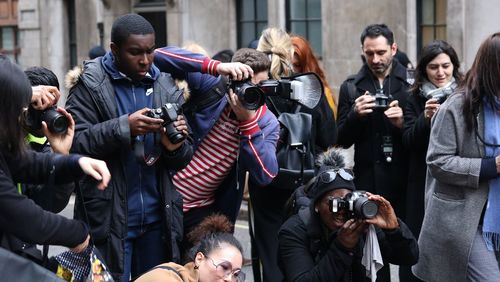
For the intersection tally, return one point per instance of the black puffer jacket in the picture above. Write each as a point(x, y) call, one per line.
point(20, 216)
point(102, 134)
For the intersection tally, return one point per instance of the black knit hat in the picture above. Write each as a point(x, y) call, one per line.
point(332, 175)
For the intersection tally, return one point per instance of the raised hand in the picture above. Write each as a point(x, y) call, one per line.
point(386, 217)
point(44, 96)
point(60, 142)
point(236, 70)
point(395, 114)
point(97, 169)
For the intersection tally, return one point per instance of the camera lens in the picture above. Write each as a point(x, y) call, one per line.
point(365, 208)
point(56, 122)
point(250, 96)
point(173, 134)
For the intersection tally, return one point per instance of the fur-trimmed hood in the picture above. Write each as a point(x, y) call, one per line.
point(73, 76)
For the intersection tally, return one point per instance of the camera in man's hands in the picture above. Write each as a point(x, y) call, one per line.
point(356, 204)
point(169, 113)
point(56, 122)
point(381, 100)
point(250, 95)
point(305, 89)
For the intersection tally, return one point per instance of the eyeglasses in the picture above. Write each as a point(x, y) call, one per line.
point(330, 175)
point(225, 269)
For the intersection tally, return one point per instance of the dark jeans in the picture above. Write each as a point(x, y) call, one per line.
point(144, 249)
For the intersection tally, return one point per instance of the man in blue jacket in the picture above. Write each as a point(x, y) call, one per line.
point(137, 222)
point(229, 140)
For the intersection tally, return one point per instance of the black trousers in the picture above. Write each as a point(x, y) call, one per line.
point(267, 205)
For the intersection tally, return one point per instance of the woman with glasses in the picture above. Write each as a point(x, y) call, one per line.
point(460, 235)
point(324, 242)
point(218, 256)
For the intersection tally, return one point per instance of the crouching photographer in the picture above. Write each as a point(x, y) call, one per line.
point(343, 233)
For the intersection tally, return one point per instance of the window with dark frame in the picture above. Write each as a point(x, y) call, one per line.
point(252, 19)
point(303, 17)
point(431, 20)
point(9, 45)
point(155, 12)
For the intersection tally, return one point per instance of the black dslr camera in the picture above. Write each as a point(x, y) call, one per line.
point(356, 204)
point(56, 122)
point(250, 95)
point(304, 88)
point(168, 113)
point(381, 100)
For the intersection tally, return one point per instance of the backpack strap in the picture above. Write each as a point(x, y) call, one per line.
point(352, 90)
point(166, 267)
point(198, 102)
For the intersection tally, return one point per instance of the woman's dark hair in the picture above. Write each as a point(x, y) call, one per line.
point(15, 94)
point(211, 234)
point(482, 79)
point(429, 52)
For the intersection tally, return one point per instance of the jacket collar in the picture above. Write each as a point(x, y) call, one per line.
point(115, 74)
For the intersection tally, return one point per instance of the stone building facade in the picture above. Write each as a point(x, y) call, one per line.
point(59, 33)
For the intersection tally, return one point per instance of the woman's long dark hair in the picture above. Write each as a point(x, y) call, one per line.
point(429, 52)
point(483, 78)
point(15, 94)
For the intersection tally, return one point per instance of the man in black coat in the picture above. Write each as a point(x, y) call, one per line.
point(373, 128)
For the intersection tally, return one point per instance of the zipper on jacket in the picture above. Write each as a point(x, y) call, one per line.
point(141, 197)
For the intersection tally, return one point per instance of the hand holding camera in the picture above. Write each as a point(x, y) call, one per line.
point(141, 122)
point(395, 114)
point(60, 142)
point(348, 235)
point(242, 113)
point(235, 70)
point(385, 217)
point(364, 104)
point(44, 97)
point(180, 126)
point(431, 107)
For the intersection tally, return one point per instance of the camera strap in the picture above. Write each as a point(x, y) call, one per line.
point(198, 102)
point(150, 159)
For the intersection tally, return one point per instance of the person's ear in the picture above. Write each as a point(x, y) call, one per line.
point(198, 259)
point(114, 49)
point(394, 48)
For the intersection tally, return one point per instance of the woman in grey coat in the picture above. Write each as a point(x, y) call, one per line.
point(460, 236)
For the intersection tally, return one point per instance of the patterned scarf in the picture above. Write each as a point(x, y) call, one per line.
point(491, 221)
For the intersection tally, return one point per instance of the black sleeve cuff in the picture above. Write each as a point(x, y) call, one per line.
point(488, 169)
